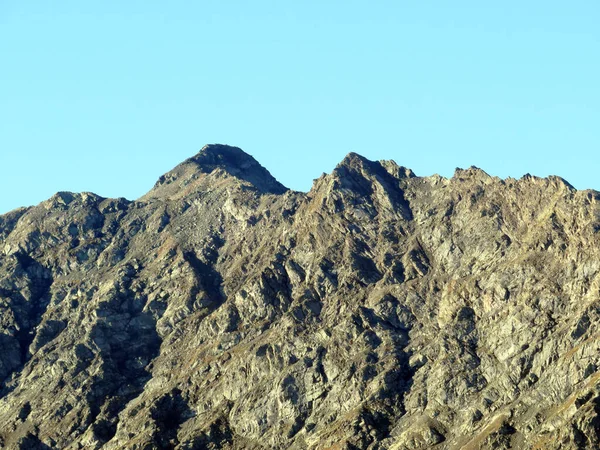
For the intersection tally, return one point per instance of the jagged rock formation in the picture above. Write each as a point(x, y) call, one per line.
point(380, 310)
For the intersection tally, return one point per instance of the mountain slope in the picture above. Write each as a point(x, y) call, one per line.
point(380, 310)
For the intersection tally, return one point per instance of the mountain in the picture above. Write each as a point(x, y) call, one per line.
point(380, 310)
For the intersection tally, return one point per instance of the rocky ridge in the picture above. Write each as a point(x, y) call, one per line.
point(380, 310)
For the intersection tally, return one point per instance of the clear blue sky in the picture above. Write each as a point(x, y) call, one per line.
point(106, 96)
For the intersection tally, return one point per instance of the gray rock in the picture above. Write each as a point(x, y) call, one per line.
point(380, 310)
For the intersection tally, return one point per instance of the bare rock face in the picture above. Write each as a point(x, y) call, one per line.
point(380, 310)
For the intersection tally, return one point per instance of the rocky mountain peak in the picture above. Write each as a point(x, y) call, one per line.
point(472, 173)
point(239, 164)
point(358, 183)
point(354, 165)
point(552, 180)
point(221, 160)
point(353, 162)
point(353, 159)
point(231, 159)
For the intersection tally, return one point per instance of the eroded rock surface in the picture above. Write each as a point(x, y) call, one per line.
point(380, 310)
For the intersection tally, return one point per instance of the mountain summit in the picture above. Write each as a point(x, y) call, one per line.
point(222, 159)
point(380, 310)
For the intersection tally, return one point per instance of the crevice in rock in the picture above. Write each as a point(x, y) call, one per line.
point(209, 280)
point(168, 413)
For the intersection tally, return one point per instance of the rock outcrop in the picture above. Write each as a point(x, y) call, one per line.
point(380, 310)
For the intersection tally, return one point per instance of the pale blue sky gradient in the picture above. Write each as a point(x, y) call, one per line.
point(106, 96)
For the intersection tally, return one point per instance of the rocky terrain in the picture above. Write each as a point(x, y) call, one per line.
point(380, 310)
